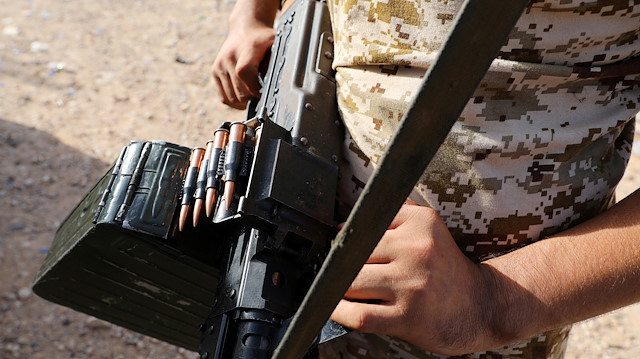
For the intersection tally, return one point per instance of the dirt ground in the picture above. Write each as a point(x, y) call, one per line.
point(78, 80)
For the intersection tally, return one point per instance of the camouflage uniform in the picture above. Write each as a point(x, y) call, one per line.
point(539, 147)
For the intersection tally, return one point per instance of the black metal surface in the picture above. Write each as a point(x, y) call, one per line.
point(282, 218)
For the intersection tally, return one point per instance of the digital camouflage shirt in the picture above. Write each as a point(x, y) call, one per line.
point(539, 147)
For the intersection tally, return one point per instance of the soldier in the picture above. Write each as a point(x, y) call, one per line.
point(517, 235)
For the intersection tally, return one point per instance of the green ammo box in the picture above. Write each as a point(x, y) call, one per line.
point(119, 257)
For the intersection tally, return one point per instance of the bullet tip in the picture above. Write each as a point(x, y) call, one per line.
point(229, 188)
point(210, 201)
point(184, 212)
point(197, 208)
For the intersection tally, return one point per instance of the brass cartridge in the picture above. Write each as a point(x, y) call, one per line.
point(233, 160)
point(220, 139)
point(189, 187)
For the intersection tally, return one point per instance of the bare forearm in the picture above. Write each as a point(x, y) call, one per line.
point(263, 11)
point(582, 272)
point(418, 286)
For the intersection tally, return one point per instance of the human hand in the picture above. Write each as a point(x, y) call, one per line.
point(235, 69)
point(418, 286)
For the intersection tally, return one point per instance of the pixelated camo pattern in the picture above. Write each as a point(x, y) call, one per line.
point(364, 346)
point(539, 147)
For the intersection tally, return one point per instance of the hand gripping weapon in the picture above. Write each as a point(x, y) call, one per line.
point(275, 226)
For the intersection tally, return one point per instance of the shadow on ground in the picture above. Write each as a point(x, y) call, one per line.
point(41, 180)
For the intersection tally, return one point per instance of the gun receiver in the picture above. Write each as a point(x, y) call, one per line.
point(279, 217)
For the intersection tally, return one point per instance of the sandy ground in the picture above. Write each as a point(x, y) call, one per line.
point(78, 80)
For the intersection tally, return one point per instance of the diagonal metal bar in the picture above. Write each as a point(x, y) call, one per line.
point(480, 30)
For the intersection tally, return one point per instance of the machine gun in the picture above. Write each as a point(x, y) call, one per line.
point(120, 256)
point(283, 217)
point(128, 253)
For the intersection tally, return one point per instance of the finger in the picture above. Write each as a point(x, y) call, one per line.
point(402, 216)
point(409, 222)
point(241, 92)
point(373, 284)
point(365, 317)
point(388, 248)
point(220, 89)
point(226, 89)
point(221, 79)
point(385, 251)
point(223, 73)
point(249, 63)
point(409, 211)
point(248, 74)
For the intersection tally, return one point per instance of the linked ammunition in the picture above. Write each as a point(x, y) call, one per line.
point(220, 138)
point(201, 184)
point(233, 160)
point(189, 186)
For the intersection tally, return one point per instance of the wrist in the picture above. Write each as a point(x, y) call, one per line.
point(484, 323)
point(511, 312)
point(495, 308)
